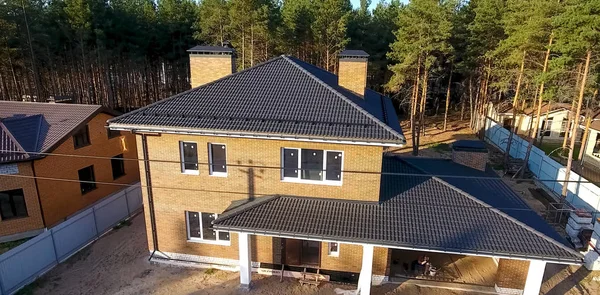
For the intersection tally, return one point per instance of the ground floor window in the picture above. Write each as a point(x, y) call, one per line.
point(199, 227)
point(12, 204)
point(334, 249)
point(118, 166)
point(87, 180)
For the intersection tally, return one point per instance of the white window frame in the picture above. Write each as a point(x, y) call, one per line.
point(202, 240)
point(333, 253)
point(210, 161)
point(299, 178)
point(182, 159)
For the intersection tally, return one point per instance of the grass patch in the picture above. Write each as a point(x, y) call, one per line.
point(210, 271)
point(4, 247)
point(554, 148)
point(440, 147)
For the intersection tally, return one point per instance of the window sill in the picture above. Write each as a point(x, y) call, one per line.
point(218, 174)
point(191, 172)
point(81, 146)
point(200, 241)
point(13, 218)
point(334, 255)
point(120, 176)
point(89, 191)
point(319, 182)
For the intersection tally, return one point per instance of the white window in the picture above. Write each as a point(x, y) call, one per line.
point(189, 157)
point(334, 249)
point(217, 159)
point(200, 229)
point(310, 165)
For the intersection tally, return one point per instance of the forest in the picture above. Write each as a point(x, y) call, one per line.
point(430, 56)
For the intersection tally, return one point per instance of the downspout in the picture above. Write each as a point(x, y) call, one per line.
point(37, 190)
point(149, 191)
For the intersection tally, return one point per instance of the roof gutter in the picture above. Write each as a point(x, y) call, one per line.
point(254, 135)
point(456, 252)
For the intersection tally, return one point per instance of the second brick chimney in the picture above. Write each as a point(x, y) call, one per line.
point(352, 71)
point(210, 63)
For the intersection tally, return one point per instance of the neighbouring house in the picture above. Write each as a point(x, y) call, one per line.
point(552, 126)
point(281, 169)
point(591, 148)
point(42, 142)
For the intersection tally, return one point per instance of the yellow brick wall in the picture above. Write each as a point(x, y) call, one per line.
point(353, 75)
point(34, 219)
point(512, 273)
point(61, 199)
point(218, 192)
point(207, 68)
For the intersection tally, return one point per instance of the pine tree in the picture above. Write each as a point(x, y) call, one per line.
point(213, 21)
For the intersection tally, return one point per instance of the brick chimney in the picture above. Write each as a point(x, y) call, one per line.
point(352, 71)
point(471, 153)
point(210, 63)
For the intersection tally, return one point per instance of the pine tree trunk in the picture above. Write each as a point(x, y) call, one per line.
point(576, 123)
point(514, 126)
point(447, 100)
point(572, 111)
point(534, 134)
point(586, 133)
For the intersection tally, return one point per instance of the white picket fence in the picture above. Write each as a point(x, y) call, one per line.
point(25, 263)
point(550, 173)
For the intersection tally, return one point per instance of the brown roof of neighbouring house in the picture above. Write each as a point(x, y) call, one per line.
point(552, 107)
point(596, 121)
point(28, 128)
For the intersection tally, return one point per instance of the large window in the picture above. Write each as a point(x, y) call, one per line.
point(12, 204)
point(81, 138)
point(189, 157)
point(217, 158)
point(546, 126)
point(310, 165)
point(118, 166)
point(199, 225)
point(87, 180)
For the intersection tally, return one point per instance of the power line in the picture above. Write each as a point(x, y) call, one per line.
point(233, 192)
point(301, 169)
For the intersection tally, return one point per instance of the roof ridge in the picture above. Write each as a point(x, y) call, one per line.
point(506, 216)
point(193, 89)
point(246, 207)
point(346, 99)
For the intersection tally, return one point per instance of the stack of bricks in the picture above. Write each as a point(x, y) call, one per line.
point(592, 256)
point(578, 221)
point(353, 74)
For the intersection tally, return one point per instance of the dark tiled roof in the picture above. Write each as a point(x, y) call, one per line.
point(469, 145)
point(38, 127)
point(353, 53)
point(595, 121)
point(416, 212)
point(284, 97)
point(211, 49)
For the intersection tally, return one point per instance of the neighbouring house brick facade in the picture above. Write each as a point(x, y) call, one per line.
point(282, 167)
point(45, 142)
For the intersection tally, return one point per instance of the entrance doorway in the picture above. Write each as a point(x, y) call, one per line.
point(302, 253)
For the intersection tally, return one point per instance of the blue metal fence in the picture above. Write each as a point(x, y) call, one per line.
point(550, 173)
point(25, 263)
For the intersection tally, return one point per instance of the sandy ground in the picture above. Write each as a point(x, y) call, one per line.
point(117, 264)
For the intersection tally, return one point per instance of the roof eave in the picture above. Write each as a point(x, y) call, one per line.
point(255, 135)
point(572, 261)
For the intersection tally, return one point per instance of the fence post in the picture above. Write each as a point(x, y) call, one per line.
point(54, 245)
point(540, 170)
point(95, 221)
point(2, 290)
point(127, 202)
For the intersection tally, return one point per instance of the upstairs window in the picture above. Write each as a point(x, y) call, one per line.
point(189, 157)
point(81, 138)
point(199, 225)
point(12, 204)
point(217, 159)
point(113, 133)
point(311, 165)
point(118, 166)
point(87, 180)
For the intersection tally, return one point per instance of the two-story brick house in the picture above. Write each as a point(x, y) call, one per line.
point(41, 142)
point(282, 166)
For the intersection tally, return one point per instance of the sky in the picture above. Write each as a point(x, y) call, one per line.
point(356, 3)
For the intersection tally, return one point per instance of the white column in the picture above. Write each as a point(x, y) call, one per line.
point(535, 276)
point(245, 265)
point(366, 272)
